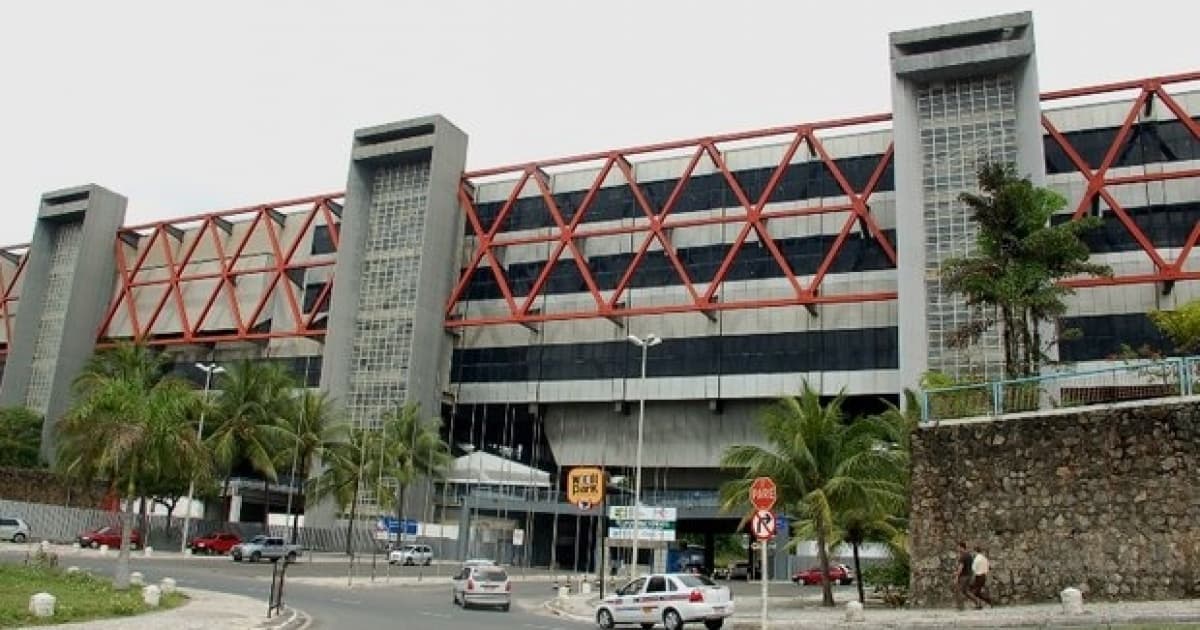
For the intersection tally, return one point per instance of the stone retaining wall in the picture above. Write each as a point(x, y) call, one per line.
point(1106, 499)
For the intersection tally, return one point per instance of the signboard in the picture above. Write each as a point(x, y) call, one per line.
point(585, 487)
point(654, 523)
point(518, 537)
point(762, 493)
point(762, 525)
point(388, 528)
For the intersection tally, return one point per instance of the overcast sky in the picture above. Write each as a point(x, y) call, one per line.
point(235, 103)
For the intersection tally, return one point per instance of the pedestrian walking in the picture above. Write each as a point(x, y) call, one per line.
point(979, 570)
point(964, 575)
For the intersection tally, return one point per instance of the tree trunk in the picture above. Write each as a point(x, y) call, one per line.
point(862, 598)
point(400, 496)
point(350, 525)
point(121, 574)
point(225, 498)
point(823, 558)
point(266, 506)
point(143, 520)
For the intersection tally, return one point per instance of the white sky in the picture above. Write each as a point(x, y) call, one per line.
point(224, 104)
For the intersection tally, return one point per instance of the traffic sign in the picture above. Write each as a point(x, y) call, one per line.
point(762, 525)
point(762, 493)
point(585, 485)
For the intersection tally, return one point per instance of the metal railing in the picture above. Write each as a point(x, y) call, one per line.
point(1131, 380)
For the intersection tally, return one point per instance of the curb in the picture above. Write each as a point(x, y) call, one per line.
point(291, 619)
point(558, 612)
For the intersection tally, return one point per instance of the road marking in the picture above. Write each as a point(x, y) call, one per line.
point(348, 602)
point(433, 614)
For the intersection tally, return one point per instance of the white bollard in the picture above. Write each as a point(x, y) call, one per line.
point(104, 550)
point(75, 547)
point(45, 546)
point(42, 605)
point(564, 592)
point(137, 579)
point(147, 551)
point(585, 586)
point(1072, 601)
point(72, 570)
point(854, 612)
point(151, 594)
point(167, 587)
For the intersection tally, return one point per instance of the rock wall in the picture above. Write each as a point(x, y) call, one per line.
point(1104, 499)
point(42, 486)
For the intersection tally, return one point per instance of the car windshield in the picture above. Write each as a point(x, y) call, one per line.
point(104, 530)
point(694, 581)
point(259, 539)
point(410, 548)
point(492, 575)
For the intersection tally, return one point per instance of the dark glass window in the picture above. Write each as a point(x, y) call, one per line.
point(1104, 336)
point(311, 293)
point(322, 243)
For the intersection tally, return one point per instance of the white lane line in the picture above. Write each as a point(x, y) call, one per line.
point(348, 602)
point(433, 614)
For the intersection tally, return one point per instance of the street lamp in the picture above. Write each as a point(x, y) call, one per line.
point(209, 369)
point(645, 344)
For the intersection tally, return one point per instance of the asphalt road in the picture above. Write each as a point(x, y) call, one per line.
point(366, 608)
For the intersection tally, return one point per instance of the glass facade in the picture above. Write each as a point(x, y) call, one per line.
point(64, 253)
point(963, 124)
point(387, 292)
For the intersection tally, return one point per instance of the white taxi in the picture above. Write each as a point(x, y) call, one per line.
point(672, 599)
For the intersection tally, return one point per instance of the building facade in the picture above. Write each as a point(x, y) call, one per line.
point(502, 298)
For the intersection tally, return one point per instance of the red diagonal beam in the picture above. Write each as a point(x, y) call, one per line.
point(568, 239)
point(483, 246)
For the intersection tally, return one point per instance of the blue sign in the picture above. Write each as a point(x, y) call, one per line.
point(782, 525)
point(391, 525)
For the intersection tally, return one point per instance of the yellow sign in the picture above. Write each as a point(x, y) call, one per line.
point(585, 486)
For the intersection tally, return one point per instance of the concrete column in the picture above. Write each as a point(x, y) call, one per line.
point(235, 508)
point(69, 277)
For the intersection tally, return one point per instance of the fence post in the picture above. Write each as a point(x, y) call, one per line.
point(924, 406)
point(1185, 377)
point(997, 398)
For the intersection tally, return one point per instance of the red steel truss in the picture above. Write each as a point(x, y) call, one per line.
point(752, 216)
point(17, 254)
point(178, 247)
point(1099, 181)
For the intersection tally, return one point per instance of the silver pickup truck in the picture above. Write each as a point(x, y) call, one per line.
point(264, 547)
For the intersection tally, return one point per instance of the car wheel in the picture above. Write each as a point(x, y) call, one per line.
point(94, 545)
point(133, 546)
point(237, 557)
point(648, 626)
point(390, 561)
point(672, 620)
point(291, 556)
point(408, 562)
point(714, 624)
point(604, 619)
point(255, 556)
point(18, 538)
point(504, 607)
point(429, 562)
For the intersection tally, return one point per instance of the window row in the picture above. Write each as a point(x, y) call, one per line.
point(807, 351)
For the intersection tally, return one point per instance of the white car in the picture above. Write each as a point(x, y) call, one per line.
point(672, 599)
point(412, 554)
point(482, 585)
point(14, 529)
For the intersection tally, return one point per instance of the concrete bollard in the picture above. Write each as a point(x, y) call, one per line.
point(585, 586)
point(854, 612)
point(72, 570)
point(76, 547)
point(137, 579)
point(147, 551)
point(45, 545)
point(564, 592)
point(151, 595)
point(167, 586)
point(42, 605)
point(104, 550)
point(1072, 601)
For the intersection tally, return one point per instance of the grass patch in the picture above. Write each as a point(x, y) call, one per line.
point(81, 597)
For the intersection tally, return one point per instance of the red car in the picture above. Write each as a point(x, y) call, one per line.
point(838, 573)
point(110, 536)
point(215, 542)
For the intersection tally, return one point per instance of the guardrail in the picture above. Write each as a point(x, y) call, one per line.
point(1132, 380)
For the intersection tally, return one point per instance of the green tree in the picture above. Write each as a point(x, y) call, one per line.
point(255, 401)
point(344, 466)
point(20, 437)
point(316, 426)
point(130, 425)
point(1012, 279)
point(1181, 326)
point(413, 450)
point(823, 468)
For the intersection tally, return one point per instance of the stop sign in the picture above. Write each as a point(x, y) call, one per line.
point(762, 493)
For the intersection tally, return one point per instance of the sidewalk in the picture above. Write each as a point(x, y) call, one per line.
point(794, 612)
point(205, 610)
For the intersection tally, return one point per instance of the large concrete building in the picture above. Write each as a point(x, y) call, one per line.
point(765, 260)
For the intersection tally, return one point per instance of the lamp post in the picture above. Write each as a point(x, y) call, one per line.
point(209, 369)
point(645, 344)
point(295, 457)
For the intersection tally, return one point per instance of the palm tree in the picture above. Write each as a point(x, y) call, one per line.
point(343, 467)
point(130, 425)
point(822, 467)
point(316, 426)
point(413, 450)
point(255, 399)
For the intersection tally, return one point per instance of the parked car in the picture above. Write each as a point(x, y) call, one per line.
point(110, 536)
point(14, 529)
point(411, 555)
point(268, 547)
point(482, 585)
point(744, 571)
point(672, 599)
point(838, 573)
point(215, 542)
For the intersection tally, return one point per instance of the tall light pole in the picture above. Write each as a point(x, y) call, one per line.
point(209, 369)
point(645, 344)
point(296, 456)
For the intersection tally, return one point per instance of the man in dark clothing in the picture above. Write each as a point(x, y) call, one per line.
point(964, 576)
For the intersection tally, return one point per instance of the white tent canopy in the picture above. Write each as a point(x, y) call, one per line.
point(487, 469)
